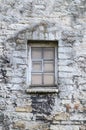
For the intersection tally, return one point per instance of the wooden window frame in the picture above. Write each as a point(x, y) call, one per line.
point(34, 43)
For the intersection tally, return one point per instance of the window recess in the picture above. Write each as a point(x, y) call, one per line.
point(42, 62)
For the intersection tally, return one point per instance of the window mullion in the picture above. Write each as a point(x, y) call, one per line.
point(42, 67)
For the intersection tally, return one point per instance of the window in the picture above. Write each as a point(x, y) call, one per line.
point(42, 63)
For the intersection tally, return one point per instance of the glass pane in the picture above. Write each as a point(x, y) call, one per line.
point(48, 53)
point(36, 53)
point(49, 66)
point(36, 79)
point(48, 79)
point(36, 66)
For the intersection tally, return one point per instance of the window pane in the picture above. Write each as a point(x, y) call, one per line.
point(48, 53)
point(48, 79)
point(36, 79)
point(48, 66)
point(36, 66)
point(36, 53)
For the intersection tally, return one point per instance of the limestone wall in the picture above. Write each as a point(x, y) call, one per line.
point(60, 20)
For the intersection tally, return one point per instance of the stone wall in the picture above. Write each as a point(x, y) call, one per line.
point(61, 20)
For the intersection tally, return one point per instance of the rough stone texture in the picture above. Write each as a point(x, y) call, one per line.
point(61, 20)
point(1, 117)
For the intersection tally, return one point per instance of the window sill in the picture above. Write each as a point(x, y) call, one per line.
point(41, 90)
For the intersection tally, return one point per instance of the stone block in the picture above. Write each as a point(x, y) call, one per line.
point(65, 56)
point(22, 116)
point(65, 68)
point(65, 74)
point(78, 117)
point(65, 81)
point(1, 127)
point(1, 117)
point(2, 105)
point(21, 54)
point(35, 125)
point(21, 46)
point(20, 41)
point(61, 116)
point(65, 62)
point(23, 109)
point(64, 127)
point(83, 127)
point(84, 109)
point(17, 80)
point(18, 60)
point(19, 125)
point(51, 36)
point(65, 49)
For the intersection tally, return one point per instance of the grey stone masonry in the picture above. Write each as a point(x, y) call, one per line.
point(63, 21)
